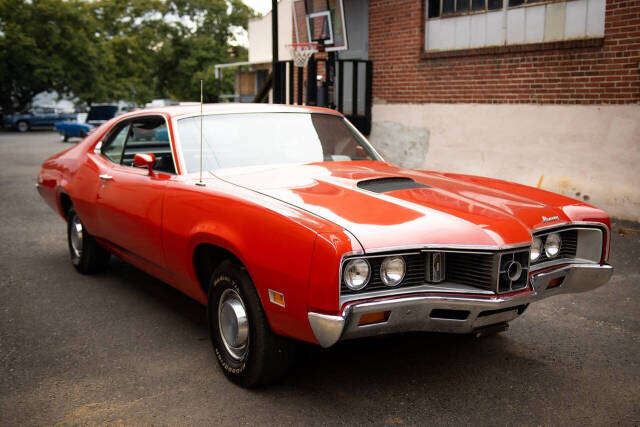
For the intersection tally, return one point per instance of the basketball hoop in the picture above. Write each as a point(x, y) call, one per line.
point(301, 52)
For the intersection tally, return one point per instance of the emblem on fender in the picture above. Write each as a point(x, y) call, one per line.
point(546, 219)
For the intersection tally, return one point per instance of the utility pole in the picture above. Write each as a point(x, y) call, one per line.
point(275, 69)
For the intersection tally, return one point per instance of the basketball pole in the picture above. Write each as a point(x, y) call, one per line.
point(275, 71)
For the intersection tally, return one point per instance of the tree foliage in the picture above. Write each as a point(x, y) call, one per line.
point(108, 50)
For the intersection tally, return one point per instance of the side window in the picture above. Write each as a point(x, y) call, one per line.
point(150, 135)
point(112, 148)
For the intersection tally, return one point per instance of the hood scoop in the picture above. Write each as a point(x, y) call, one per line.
point(383, 185)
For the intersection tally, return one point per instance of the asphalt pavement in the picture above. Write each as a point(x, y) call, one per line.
point(124, 348)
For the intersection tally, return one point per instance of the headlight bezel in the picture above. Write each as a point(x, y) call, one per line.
point(557, 239)
point(385, 279)
point(350, 262)
point(538, 245)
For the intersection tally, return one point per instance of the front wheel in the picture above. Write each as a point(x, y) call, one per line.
point(64, 137)
point(87, 256)
point(22, 126)
point(249, 353)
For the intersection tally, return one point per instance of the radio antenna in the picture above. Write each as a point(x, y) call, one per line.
point(201, 101)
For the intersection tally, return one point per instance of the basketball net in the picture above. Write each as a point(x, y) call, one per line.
point(301, 52)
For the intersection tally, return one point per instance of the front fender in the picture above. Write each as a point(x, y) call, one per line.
point(324, 279)
point(270, 239)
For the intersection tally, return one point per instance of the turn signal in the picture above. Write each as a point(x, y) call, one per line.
point(555, 282)
point(371, 318)
point(276, 297)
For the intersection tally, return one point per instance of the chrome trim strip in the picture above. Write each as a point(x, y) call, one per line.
point(363, 138)
point(302, 110)
point(391, 254)
point(174, 121)
point(499, 256)
point(603, 226)
point(137, 117)
point(579, 223)
point(392, 292)
point(445, 247)
point(592, 226)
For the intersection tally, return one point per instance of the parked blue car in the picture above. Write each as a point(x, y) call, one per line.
point(98, 114)
point(39, 117)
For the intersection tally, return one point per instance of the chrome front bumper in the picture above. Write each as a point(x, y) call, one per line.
point(453, 313)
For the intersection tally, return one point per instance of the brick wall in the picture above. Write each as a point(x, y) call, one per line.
point(573, 72)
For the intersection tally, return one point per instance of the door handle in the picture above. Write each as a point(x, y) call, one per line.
point(105, 177)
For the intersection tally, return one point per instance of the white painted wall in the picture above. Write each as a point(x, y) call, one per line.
point(574, 19)
point(584, 152)
point(260, 35)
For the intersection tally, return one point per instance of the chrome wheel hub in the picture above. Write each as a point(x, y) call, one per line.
point(76, 236)
point(233, 324)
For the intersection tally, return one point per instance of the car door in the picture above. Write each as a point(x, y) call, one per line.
point(49, 117)
point(36, 115)
point(130, 199)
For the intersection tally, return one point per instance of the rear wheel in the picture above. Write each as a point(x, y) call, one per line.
point(86, 255)
point(22, 126)
point(249, 353)
point(64, 137)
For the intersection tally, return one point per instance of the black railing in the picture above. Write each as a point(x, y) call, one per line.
point(340, 89)
point(361, 118)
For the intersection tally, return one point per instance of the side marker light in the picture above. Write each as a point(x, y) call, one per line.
point(276, 297)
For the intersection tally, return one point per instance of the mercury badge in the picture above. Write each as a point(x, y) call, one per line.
point(546, 219)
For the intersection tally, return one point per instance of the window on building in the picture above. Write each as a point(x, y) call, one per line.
point(439, 8)
point(513, 3)
point(471, 24)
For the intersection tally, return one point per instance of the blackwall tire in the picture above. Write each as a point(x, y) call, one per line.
point(86, 255)
point(249, 353)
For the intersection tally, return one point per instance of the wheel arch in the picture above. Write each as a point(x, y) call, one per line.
point(65, 203)
point(206, 257)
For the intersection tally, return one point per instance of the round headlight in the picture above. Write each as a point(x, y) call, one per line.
point(392, 270)
point(536, 249)
point(552, 245)
point(356, 274)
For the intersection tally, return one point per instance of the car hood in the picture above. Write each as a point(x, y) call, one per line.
point(442, 210)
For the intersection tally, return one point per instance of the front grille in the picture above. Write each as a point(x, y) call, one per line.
point(478, 270)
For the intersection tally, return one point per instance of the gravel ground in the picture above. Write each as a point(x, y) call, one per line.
point(124, 348)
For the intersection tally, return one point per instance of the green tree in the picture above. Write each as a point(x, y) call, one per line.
point(107, 50)
point(44, 45)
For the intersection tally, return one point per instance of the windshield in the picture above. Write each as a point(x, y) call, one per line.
point(236, 140)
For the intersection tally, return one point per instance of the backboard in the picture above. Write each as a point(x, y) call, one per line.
point(320, 20)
